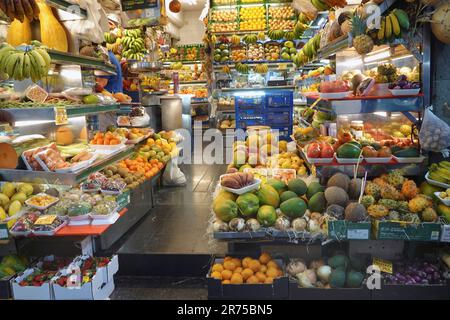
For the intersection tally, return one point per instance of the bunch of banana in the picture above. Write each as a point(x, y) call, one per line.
point(19, 9)
point(235, 39)
point(289, 35)
point(133, 44)
point(242, 68)
point(320, 5)
point(110, 37)
point(275, 34)
point(250, 38)
point(311, 47)
point(302, 18)
point(392, 25)
point(440, 172)
point(19, 65)
point(299, 59)
point(261, 36)
point(261, 68)
point(299, 28)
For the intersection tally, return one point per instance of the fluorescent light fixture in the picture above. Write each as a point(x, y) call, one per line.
point(377, 51)
point(377, 56)
point(402, 57)
point(27, 123)
point(353, 62)
point(381, 113)
point(326, 61)
point(249, 93)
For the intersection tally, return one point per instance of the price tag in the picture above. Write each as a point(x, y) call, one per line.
point(4, 234)
point(384, 265)
point(46, 219)
point(357, 234)
point(61, 116)
point(445, 234)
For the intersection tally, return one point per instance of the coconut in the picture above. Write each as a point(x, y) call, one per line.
point(355, 212)
point(299, 224)
point(336, 195)
point(220, 226)
point(339, 180)
point(354, 188)
point(282, 224)
point(253, 224)
point(237, 224)
point(336, 211)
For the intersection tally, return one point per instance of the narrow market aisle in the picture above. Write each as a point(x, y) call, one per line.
point(173, 234)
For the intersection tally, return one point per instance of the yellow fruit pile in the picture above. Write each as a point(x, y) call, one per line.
point(224, 15)
point(248, 270)
point(253, 13)
point(12, 199)
point(281, 12)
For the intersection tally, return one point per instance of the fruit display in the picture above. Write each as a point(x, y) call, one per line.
point(402, 83)
point(278, 24)
point(224, 15)
point(272, 51)
point(300, 206)
point(322, 150)
point(362, 42)
point(262, 68)
point(416, 272)
point(159, 148)
point(25, 222)
point(107, 138)
point(139, 164)
point(12, 199)
point(334, 86)
point(440, 172)
point(133, 44)
point(41, 200)
point(338, 271)
point(237, 180)
point(255, 52)
point(288, 50)
point(227, 124)
point(12, 264)
point(304, 135)
point(238, 53)
point(275, 34)
point(251, 25)
point(20, 65)
point(222, 53)
point(223, 26)
point(283, 12)
point(310, 48)
point(263, 270)
point(250, 38)
point(252, 13)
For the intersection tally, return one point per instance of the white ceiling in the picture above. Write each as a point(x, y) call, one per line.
point(198, 6)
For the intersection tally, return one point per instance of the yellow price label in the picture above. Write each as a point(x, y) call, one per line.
point(61, 116)
point(384, 265)
point(46, 219)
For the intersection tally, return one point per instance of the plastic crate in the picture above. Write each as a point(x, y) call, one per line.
point(284, 133)
point(249, 102)
point(280, 99)
point(280, 118)
point(250, 122)
point(249, 113)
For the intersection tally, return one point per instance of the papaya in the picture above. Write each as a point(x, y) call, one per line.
point(313, 188)
point(354, 279)
point(287, 195)
point(225, 195)
point(348, 150)
point(317, 203)
point(268, 195)
point(337, 278)
point(225, 210)
point(266, 216)
point(248, 204)
point(298, 186)
point(293, 208)
point(279, 185)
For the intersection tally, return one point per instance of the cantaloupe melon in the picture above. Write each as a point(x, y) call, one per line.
point(8, 156)
point(64, 136)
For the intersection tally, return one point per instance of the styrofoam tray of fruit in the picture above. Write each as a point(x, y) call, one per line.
point(409, 160)
point(250, 187)
point(348, 160)
point(81, 217)
point(444, 201)
point(436, 183)
point(107, 219)
point(29, 202)
point(378, 160)
point(52, 231)
point(404, 92)
point(334, 95)
point(319, 160)
point(78, 166)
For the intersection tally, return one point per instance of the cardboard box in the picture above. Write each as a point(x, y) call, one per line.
point(277, 290)
point(396, 230)
point(412, 292)
point(93, 290)
point(43, 292)
point(346, 230)
point(109, 270)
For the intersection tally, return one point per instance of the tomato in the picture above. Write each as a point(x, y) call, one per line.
point(327, 151)
point(313, 150)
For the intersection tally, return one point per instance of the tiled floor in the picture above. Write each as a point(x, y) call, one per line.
point(179, 221)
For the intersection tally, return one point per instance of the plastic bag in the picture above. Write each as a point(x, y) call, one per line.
point(434, 134)
point(173, 176)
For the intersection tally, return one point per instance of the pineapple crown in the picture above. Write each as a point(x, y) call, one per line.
point(358, 25)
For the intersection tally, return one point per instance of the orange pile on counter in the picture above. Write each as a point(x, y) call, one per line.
point(139, 164)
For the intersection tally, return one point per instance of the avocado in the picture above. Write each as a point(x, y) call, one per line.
point(337, 261)
point(337, 278)
point(354, 279)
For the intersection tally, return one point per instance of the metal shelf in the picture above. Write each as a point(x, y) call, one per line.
point(64, 178)
point(24, 114)
point(64, 58)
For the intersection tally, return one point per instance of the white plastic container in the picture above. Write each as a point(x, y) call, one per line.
point(436, 183)
point(404, 92)
point(446, 202)
point(409, 160)
point(378, 160)
point(78, 166)
point(253, 186)
point(349, 160)
point(51, 232)
point(319, 160)
point(28, 202)
point(334, 95)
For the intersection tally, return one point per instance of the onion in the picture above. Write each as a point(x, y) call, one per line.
point(304, 281)
point(311, 274)
point(299, 224)
point(253, 224)
point(282, 224)
point(220, 226)
point(324, 272)
point(295, 266)
point(316, 264)
point(237, 224)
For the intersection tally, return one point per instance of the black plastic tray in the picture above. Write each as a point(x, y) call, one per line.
point(298, 293)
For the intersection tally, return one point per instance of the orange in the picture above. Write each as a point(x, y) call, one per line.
point(236, 279)
point(229, 265)
point(272, 264)
point(261, 277)
point(247, 273)
point(216, 275)
point(226, 274)
point(264, 258)
point(272, 272)
point(226, 282)
point(254, 265)
point(268, 280)
point(252, 280)
point(237, 262)
point(263, 269)
point(217, 267)
point(238, 270)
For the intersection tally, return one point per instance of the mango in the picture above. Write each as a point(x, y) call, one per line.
point(26, 188)
point(8, 189)
point(20, 196)
point(14, 208)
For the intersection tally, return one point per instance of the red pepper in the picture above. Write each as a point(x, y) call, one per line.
point(37, 283)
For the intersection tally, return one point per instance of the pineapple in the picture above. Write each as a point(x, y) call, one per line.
point(372, 189)
point(361, 41)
